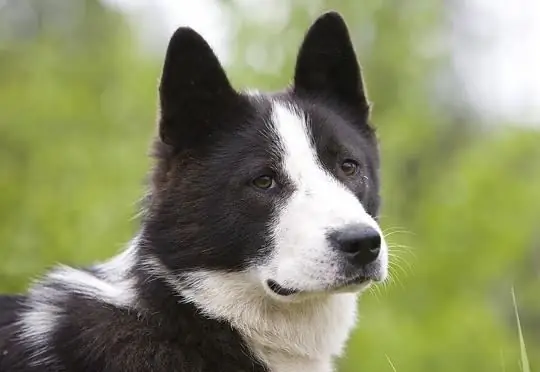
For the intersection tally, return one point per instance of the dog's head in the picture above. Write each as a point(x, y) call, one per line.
point(282, 187)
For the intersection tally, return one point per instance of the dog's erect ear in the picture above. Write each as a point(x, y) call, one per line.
point(194, 90)
point(327, 66)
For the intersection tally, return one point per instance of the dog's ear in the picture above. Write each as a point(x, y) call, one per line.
point(327, 66)
point(194, 91)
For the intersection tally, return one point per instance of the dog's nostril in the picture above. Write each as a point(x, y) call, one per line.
point(373, 243)
point(362, 244)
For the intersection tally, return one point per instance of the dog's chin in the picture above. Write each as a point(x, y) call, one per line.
point(291, 294)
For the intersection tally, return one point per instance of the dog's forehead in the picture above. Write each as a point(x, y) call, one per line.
point(283, 124)
point(280, 127)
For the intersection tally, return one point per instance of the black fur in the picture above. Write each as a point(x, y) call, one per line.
point(201, 212)
point(327, 66)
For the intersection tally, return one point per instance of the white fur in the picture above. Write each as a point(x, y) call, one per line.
point(44, 305)
point(302, 258)
point(39, 319)
point(287, 336)
point(89, 285)
point(117, 269)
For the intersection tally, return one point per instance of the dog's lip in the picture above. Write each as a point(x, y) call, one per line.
point(284, 291)
point(279, 290)
point(357, 280)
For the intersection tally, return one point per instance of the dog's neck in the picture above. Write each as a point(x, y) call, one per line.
point(286, 336)
point(304, 337)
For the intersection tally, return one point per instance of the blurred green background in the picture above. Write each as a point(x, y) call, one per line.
point(461, 195)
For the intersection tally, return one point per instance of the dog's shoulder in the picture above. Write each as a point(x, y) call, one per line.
point(12, 352)
point(9, 306)
point(79, 320)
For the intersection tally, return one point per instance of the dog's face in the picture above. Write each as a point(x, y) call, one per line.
point(282, 188)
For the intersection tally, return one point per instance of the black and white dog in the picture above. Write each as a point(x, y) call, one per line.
point(258, 231)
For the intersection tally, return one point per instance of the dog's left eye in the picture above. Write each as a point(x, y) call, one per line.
point(349, 167)
point(264, 182)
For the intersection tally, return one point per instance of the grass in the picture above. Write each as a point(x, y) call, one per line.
point(525, 367)
point(524, 359)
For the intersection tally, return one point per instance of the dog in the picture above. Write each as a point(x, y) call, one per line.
point(258, 230)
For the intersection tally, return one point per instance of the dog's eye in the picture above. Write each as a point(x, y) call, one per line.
point(264, 182)
point(349, 167)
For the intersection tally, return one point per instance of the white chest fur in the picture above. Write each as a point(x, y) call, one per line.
point(307, 337)
point(288, 337)
point(287, 363)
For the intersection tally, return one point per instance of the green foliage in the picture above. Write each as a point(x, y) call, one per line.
point(76, 119)
point(461, 200)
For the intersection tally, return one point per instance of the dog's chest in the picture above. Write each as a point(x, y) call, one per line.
point(308, 341)
point(288, 363)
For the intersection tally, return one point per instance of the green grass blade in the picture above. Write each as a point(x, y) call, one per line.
point(524, 359)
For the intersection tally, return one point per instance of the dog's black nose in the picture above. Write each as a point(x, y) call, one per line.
point(361, 244)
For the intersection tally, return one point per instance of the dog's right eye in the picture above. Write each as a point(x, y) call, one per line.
point(349, 167)
point(264, 182)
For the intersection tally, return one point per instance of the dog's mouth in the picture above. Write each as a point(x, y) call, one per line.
point(279, 290)
point(284, 291)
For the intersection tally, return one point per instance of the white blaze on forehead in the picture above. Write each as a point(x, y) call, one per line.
point(319, 204)
point(295, 141)
point(311, 181)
